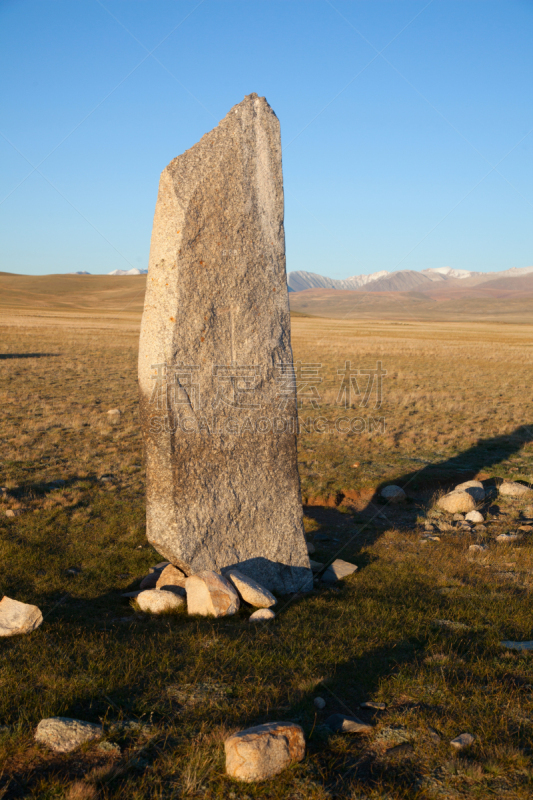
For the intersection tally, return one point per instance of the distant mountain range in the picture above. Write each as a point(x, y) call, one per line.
point(406, 280)
point(133, 271)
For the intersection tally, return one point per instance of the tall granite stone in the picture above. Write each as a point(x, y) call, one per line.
point(217, 388)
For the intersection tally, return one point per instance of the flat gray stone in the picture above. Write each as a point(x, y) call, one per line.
point(338, 570)
point(217, 390)
point(63, 734)
point(17, 617)
point(340, 723)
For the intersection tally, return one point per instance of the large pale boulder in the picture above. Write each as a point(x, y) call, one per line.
point(514, 489)
point(251, 591)
point(211, 595)
point(259, 753)
point(217, 385)
point(17, 617)
point(158, 601)
point(63, 734)
point(475, 488)
point(457, 502)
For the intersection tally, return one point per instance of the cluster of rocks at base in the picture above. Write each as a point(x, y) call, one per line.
point(467, 495)
point(206, 593)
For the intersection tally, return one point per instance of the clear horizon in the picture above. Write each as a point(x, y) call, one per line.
point(406, 126)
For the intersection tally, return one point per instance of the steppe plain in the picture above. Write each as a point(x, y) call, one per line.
point(456, 404)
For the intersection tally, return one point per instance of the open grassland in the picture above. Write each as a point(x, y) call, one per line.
point(456, 402)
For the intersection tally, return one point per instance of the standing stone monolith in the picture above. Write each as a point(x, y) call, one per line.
point(217, 388)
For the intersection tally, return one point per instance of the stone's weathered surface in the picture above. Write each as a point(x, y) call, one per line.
point(262, 615)
point(250, 591)
point(218, 407)
point(341, 723)
point(338, 570)
point(259, 753)
point(17, 617)
point(474, 516)
point(172, 579)
point(63, 734)
point(462, 741)
point(457, 502)
point(157, 601)
point(210, 595)
point(394, 494)
point(513, 489)
point(474, 488)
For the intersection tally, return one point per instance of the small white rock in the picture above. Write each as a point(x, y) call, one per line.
point(17, 617)
point(262, 615)
point(462, 741)
point(474, 516)
point(63, 734)
point(114, 412)
point(394, 494)
point(320, 703)
point(157, 601)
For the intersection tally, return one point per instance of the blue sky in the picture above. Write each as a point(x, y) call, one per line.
point(407, 127)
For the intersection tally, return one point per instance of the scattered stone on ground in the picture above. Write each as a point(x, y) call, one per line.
point(458, 517)
point(73, 570)
point(135, 593)
point(340, 723)
point(525, 528)
point(477, 548)
point(474, 516)
point(14, 512)
point(513, 489)
point(157, 601)
point(445, 527)
point(374, 706)
point(457, 502)
point(394, 494)
point(17, 617)
point(250, 591)
point(191, 695)
point(509, 538)
point(517, 645)
point(172, 579)
point(209, 594)
point(338, 570)
point(462, 741)
point(448, 624)
point(114, 412)
point(311, 548)
point(150, 581)
point(63, 734)
point(262, 615)
point(316, 566)
point(266, 750)
point(319, 703)
point(211, 506)
point(474, 488)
